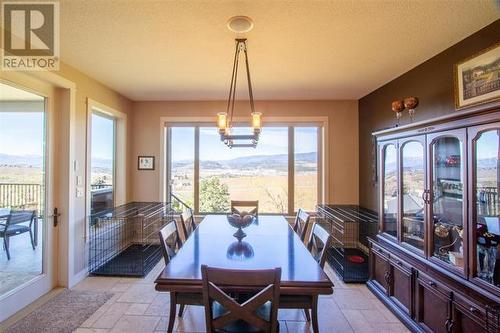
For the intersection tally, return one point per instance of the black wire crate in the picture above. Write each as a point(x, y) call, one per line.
point(124, 240)
point(350, 226)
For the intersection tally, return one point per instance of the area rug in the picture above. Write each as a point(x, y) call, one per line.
point(62, 314)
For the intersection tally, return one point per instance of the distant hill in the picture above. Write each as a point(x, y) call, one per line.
point(21, 160)
point(36, 161)
point(274, 162)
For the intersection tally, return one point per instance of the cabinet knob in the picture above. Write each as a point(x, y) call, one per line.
point(400, 263)
point(432, 283)
point(472, 309)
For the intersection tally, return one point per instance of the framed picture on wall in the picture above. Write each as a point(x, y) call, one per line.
point(477, 79)
point(145, 162)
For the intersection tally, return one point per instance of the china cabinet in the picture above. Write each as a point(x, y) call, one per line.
point(435, 261)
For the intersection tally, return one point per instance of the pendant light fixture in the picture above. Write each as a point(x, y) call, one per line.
point(225, 119)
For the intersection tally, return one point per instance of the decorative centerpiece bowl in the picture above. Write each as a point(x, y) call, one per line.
point(240, 221)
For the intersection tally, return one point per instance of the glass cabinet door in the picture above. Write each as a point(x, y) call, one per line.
point(447, 193)
point(390, 189)
point(413, 187)
point(485, 214)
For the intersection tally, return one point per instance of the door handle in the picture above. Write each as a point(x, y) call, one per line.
point(56, 216)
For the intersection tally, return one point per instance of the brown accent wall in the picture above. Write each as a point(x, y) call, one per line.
point(432, 82)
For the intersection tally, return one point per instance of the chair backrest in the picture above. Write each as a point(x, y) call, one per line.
point(216, 280)
point(319, 243)
point(166, 233)
point(20, 216)
point(253, 206)
point(188, 223)
point(301, 224)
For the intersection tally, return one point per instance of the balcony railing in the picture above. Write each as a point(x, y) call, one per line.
point(22, 196)
point(101, 197)
point(100, 186)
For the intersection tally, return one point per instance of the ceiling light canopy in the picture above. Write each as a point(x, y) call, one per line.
point(240, 24)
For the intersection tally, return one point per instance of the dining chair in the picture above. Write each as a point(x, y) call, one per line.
point(187, 224)
point(169, 231)
point(318, 244)
point(225, 313)
point(253, 205)
point(13, 227)
point(301, 224)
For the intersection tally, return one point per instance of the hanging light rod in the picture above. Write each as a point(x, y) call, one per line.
point(225, 119)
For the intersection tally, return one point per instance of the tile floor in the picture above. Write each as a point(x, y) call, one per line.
point(137, 307)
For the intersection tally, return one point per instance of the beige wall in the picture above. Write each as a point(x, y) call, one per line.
point(342, 148)
point(86, 87)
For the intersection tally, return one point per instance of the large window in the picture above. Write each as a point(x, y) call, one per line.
point(282, 172)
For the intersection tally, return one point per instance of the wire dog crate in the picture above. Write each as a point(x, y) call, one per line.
point(350, 227)
point(124, 240)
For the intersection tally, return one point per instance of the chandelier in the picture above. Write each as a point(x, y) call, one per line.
point(225, 119)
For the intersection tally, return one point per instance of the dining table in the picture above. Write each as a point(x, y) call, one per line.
point(270, 242)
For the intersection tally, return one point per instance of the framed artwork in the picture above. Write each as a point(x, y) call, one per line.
point(477, 79)
point(145, 163)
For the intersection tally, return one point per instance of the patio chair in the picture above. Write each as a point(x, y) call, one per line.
point(13, 226)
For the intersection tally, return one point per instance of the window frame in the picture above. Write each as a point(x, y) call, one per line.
point(119, 155)
point(319, 122)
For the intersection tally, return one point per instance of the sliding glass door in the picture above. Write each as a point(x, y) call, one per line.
point(26, 196)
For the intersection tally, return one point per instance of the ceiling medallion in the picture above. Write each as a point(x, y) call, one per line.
point(225, 119)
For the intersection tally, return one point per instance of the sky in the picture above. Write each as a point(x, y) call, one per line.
point(102, 137)
point(21, 133)
point(272, 141)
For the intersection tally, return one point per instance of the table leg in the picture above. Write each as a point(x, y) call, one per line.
point(173, 309)
point(314, 311)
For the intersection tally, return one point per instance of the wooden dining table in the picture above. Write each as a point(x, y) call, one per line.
point(270, 243)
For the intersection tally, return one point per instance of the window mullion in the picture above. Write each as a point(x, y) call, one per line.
point(197, 170)
point(291, 171)
point(169, 180)
point(320, 167)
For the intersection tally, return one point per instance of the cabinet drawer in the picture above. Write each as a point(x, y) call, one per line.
point(380, 251)
point(468, 315)
point(401, 264)
point(433, 284)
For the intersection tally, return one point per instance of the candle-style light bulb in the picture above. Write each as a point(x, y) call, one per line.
point(256, 122)
point(222, 122)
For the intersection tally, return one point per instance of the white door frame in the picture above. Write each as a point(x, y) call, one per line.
point(59, 153)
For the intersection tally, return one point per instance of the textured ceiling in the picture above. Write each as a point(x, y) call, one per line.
point(182, 50)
